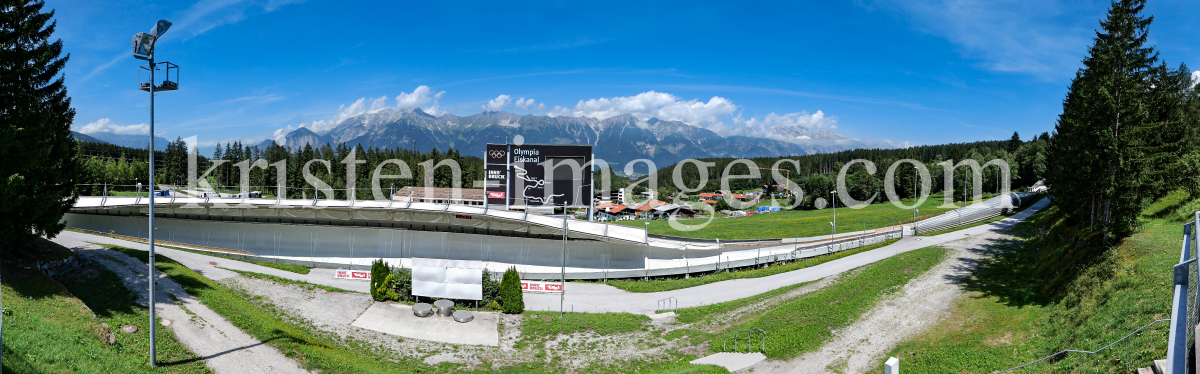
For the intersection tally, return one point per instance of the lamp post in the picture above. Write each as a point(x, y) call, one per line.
point(834, 223)
point(831, 234)
point(143, 49)
point(915, 198)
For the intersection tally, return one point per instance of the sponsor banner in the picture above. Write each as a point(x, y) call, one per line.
point(495, 194)
point(541, 287)
point(352, 274)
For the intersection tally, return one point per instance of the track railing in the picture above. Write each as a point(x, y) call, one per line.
point(750, 332)
point(1181, 342)
point(984, 210)
point(670, 304)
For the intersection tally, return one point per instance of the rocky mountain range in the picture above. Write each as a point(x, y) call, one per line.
point(617, 140)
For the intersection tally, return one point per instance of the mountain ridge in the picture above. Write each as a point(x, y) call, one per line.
point(617, 140)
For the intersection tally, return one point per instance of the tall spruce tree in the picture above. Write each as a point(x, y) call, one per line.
point(1098, 151)
point(37, 177)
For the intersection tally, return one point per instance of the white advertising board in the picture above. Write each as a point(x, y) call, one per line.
point(451, 279)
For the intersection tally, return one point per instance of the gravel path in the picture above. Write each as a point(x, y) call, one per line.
point(919, 305)
point(222, 346)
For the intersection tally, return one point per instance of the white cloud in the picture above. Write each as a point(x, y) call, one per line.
point(653, 104)
point(1195, 78)
point(420, 96)
point(106, 125)
point(1041, 38)
point(498, 103)
point(802, 118)
point(404, 101)
point(529, 104)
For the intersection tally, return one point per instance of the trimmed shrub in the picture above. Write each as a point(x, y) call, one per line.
point(511, 299)
point(379, 273)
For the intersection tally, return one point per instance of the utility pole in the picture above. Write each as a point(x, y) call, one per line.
point(562, 295)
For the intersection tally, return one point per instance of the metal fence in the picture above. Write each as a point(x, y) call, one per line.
point(969, 214)
point(725, 338)
point(1181, 342)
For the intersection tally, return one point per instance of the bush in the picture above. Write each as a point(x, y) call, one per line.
point(387, 290)
point(511, 299)
point(379, 273)
point(400, 286)
point(491, 288)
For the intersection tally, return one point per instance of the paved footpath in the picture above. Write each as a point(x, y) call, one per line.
point(599, 298)
point(222, 346)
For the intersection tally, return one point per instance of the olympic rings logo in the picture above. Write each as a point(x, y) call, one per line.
point(496, 153)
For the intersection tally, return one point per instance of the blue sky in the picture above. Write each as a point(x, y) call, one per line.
point(889, 73)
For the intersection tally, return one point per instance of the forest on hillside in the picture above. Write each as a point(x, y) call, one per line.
point(815, 174)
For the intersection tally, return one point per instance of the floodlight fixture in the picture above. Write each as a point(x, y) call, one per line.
point(143, 43)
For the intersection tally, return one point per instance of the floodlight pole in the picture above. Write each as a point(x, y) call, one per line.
point(150, 235)
point(834, 194)
point(562, 294)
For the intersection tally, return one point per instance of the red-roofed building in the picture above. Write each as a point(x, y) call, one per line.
point(613, 212)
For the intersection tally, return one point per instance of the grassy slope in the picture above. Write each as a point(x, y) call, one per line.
point(804, 324)
point(789, 224)
point(667, 284)
point(1059, 290)
point(52, 331)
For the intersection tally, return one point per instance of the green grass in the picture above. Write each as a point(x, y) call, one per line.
point(281, 280)
point(52, 330)
point(668, 284)
point(542, 326)
point(794, 223)
point(1057, 288)
point(703, 315)
point(803, 324)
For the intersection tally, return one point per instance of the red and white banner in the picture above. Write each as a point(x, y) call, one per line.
point(352, 274)
point(541, 287)
point(495, 194)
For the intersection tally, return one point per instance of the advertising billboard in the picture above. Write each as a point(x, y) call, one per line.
point(538, 174)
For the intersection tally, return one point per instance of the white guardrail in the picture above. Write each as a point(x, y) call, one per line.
point(985, 210)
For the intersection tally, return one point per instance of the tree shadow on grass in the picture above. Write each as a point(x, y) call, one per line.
point(218, 354)
point(1034, 269)
point(19, 266)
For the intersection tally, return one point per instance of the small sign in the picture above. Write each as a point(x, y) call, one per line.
point(462, 216)
point(495, 194)
point(352, 274)
point(541, 287)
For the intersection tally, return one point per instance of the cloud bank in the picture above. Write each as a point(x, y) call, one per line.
point(107, 125)
point(404, 101)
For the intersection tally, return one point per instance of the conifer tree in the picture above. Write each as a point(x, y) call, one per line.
point(37, 176)
point(1097, 154)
